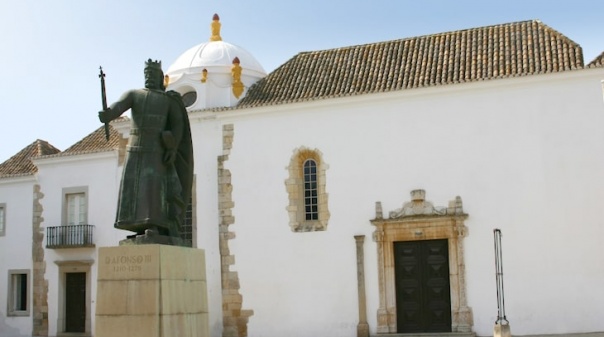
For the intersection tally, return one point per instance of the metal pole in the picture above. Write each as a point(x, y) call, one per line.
point(499, 278)
point(502, 326)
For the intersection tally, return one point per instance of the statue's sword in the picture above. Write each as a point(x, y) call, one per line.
point(104, 98)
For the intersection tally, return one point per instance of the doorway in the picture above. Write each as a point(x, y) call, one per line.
point(423, 294)
point(75, 302)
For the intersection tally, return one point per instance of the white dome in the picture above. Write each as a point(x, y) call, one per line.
point(211, 54)
point(214, 73)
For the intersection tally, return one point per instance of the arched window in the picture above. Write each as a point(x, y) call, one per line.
point(306, 190)
point(311, 208)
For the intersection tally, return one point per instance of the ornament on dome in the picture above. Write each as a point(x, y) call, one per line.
point(236, 73)
point(215, 28)
point(204, 75)
point(166, 81)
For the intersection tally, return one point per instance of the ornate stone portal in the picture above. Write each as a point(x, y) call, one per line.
point(418, 220)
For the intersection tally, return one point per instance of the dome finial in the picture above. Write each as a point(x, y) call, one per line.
point(236, 74)
point(215, 28)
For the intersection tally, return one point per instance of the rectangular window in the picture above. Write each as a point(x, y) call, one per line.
point(18, 291)
point(189, 230)
point(75, 206)
point(2, 219)
point(186, 232)
point(76, 209)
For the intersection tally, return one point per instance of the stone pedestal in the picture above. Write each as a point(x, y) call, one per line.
point(151, 291)
point(502, 330)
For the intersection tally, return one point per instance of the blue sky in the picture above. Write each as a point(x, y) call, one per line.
point(52, 50)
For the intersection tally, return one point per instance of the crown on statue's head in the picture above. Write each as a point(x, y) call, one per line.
point(153, 64)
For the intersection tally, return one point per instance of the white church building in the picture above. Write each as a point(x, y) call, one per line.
point(350, 192)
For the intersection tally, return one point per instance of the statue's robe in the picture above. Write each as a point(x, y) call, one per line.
point(152, 194)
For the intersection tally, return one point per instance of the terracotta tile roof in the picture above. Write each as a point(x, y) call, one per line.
point(95, 142)
point(20, 163)
point(597, 62)
point(506, 50)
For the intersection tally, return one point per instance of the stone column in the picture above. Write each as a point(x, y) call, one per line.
point(465, 319)
point(362, 327)
point(382, 313)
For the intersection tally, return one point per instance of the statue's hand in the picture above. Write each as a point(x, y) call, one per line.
point(170, 157)
point(104, 116)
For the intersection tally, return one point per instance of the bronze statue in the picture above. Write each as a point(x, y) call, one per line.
point(158, 172)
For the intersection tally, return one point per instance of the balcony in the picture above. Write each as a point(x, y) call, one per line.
point(76, 236)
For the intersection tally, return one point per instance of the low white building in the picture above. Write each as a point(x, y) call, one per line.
point(21, 235)
point(351, 190)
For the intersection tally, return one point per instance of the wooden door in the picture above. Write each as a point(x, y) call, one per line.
point(423, 294)
point(75, 302)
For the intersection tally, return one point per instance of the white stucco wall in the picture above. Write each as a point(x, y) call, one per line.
point(99, 174)
point(208, 144)
point(524, 154)
point(15, 250)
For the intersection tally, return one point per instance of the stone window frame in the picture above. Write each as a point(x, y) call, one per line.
point(74, 266)
point(11, 304)
point(64, 208)
point(2, 219)
point(419, 220)
point(295, 189)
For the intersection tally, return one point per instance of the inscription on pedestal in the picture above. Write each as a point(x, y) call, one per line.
point(130, 263)
point(126, 262)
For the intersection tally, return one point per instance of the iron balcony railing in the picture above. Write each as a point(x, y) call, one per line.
point(69, 236)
